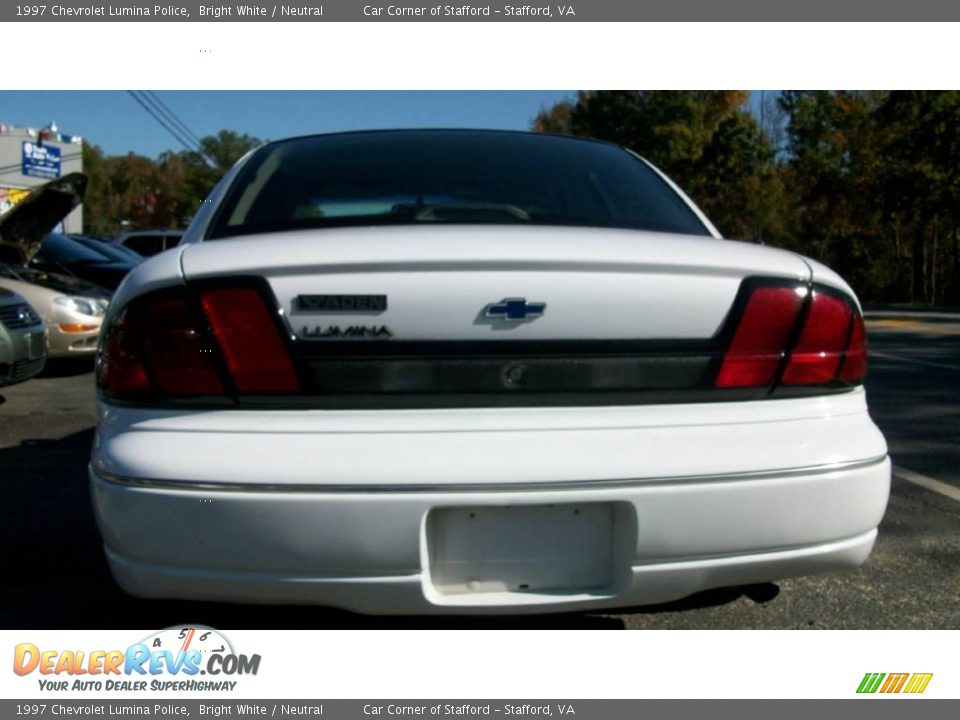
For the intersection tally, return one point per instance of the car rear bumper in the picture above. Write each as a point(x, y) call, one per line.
point(412, 594)
point(490, 511)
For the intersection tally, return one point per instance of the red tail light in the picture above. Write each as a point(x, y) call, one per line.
point(823, 340)
point(830, 343)
point(176, 350)
point(169, 346)
point(757, 347)
point(251, 344)
point(120, 371)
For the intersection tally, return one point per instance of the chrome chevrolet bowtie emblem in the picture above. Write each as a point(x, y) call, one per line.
point(514, 309)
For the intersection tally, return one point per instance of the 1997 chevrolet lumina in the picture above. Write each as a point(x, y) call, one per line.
point(467, 371)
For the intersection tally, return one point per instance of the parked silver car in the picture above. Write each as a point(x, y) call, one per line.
point(23, 351)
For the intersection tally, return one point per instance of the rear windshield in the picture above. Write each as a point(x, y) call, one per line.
point(413, 177)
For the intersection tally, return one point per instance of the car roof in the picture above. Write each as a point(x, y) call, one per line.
point(475, 132)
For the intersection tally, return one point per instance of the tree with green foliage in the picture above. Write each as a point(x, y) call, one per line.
point(921, 187)
point(833, 171)
point(706, 141)
point(874, 178)
point(866, 182)
point(133, 191)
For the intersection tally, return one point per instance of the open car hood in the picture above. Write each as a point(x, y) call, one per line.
point(22, 228)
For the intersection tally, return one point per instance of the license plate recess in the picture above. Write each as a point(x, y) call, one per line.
point(527, 548)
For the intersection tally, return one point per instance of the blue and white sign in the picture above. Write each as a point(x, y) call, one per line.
point(42, 161)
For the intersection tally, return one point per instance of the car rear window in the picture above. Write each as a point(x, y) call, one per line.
point(423, 177)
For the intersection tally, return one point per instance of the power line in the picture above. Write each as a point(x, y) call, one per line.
point(170, 115)
point(177, 135)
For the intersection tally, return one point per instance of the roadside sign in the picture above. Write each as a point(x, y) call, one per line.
point(42, 161)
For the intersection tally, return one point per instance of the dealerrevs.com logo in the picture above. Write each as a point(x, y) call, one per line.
point(172, 659)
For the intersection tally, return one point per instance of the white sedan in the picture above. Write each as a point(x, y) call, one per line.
point(476, 372)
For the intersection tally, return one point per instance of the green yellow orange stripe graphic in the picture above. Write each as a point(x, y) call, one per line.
point(918, 682)
point(894, 682)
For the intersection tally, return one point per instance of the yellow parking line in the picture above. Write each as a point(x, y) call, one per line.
point(914, 326)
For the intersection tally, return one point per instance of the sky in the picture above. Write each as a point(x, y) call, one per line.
point(114, 121)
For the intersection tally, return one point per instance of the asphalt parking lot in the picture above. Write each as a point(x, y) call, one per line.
point(57, 576)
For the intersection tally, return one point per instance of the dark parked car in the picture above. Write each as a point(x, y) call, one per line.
point(86, 259)
point(148, 242)
point(99, 244)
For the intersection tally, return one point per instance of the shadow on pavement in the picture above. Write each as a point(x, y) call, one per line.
point(59, 577)
point(67, 367)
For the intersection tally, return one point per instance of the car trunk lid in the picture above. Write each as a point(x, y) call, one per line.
point(463, 283)
point(482, 315)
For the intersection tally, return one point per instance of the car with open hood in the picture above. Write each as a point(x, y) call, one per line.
point(452, 371)
point(72, 310)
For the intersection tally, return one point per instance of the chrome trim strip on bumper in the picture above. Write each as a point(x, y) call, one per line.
point(202, 486)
